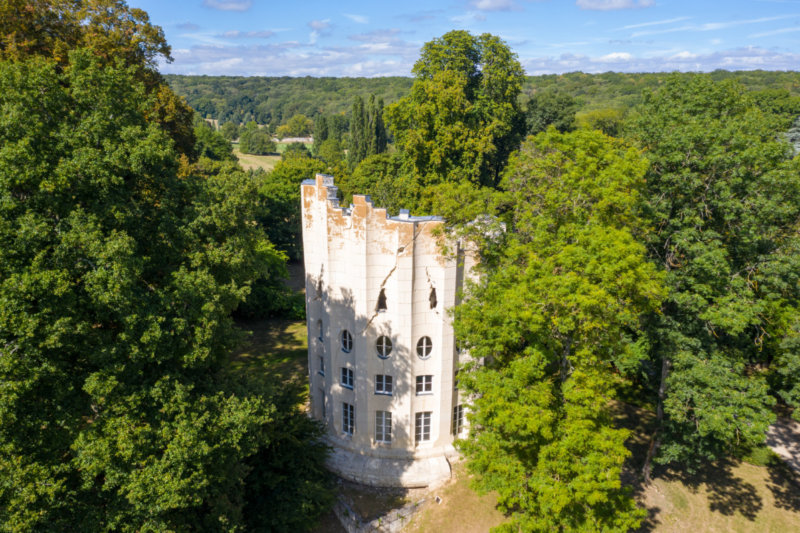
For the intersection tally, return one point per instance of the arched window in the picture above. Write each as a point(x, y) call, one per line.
point(347, 341)
point(432, 298)
point(384, 346)
point(320, 331)
point(424, 347)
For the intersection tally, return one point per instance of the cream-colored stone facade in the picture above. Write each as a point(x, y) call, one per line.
point(371, 280)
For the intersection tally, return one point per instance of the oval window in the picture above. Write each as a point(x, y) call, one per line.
point(384, 346)
point(424, 347)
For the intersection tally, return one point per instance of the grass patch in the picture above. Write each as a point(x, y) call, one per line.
point(461, 509)
point(276, 349)
point(250, 161)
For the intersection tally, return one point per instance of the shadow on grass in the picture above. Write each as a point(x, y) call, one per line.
point(784, 485)
point(727, 494)
point(274, 352)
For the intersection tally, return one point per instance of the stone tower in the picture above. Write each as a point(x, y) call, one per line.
point(381, 351)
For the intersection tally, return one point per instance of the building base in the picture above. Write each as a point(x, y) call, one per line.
point(389, 472)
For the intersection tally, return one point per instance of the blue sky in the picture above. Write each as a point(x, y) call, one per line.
point(357, 38)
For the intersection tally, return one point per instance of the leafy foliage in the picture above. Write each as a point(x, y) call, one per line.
point(367, 131)
point(723, 198)
point(462, 118)
point(210, 143)
point(119, 269)
point(551, 108)
point(255, 140)
point(556, 310)
point(297, 126)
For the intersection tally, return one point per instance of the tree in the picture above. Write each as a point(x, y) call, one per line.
point(551, 108)
point(119, 269)
point(358, 146)
point(330, 151)
point(230, 130)
point(211, 144)
point(724, 200)
point(279, 198)
point(255, 140)
point(113, 32)
point(548, 326)
point(297, 126)
point(382, 177)
point(609, 121)
point(461, 120)
point(295, 149)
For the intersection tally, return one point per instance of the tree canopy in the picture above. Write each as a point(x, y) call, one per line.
point(563, 289)
point(121, 261)
point(723, 197)
point(462, 118)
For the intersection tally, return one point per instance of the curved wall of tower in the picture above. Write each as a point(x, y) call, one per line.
point(381, 351)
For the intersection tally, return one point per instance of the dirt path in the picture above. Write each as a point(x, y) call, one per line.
point(784, 439)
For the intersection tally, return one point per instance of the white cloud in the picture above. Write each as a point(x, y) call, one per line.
point(774, 32)
point(493, 5)
point(320, 25)
point(609, 5)
point(360, 19)
point(713, 26)
point(613, 57)
point(748, 58)
point(375, 36)
point(229, 5)
point(236, 34)
point(654, 23)
point(469, 16)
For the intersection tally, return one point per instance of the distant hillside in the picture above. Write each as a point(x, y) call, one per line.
point(274, 100)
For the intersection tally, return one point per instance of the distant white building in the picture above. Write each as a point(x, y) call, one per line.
point(381, 351)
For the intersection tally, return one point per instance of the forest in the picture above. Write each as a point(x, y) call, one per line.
point(639, 244)
point(272, 101)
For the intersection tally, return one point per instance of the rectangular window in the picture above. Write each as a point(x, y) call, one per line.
point(348, 418)
point(383, 426)
point(321, 366)
point(347, 378)
point(383, 384)
point(424, 384)
point(458, 419)
point(422, 427)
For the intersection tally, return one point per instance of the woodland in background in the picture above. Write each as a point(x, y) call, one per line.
point(273, 101)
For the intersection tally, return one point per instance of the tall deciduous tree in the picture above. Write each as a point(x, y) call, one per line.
point(724, 200)
point(113, 32)
point(119, 269)
point(551, 320)
point(461, 120)
point(255, 140)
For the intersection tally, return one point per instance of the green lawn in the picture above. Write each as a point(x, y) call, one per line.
point(274, 349)
point(250, 161)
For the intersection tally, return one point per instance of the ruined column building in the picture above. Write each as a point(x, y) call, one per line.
point(381, 352)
